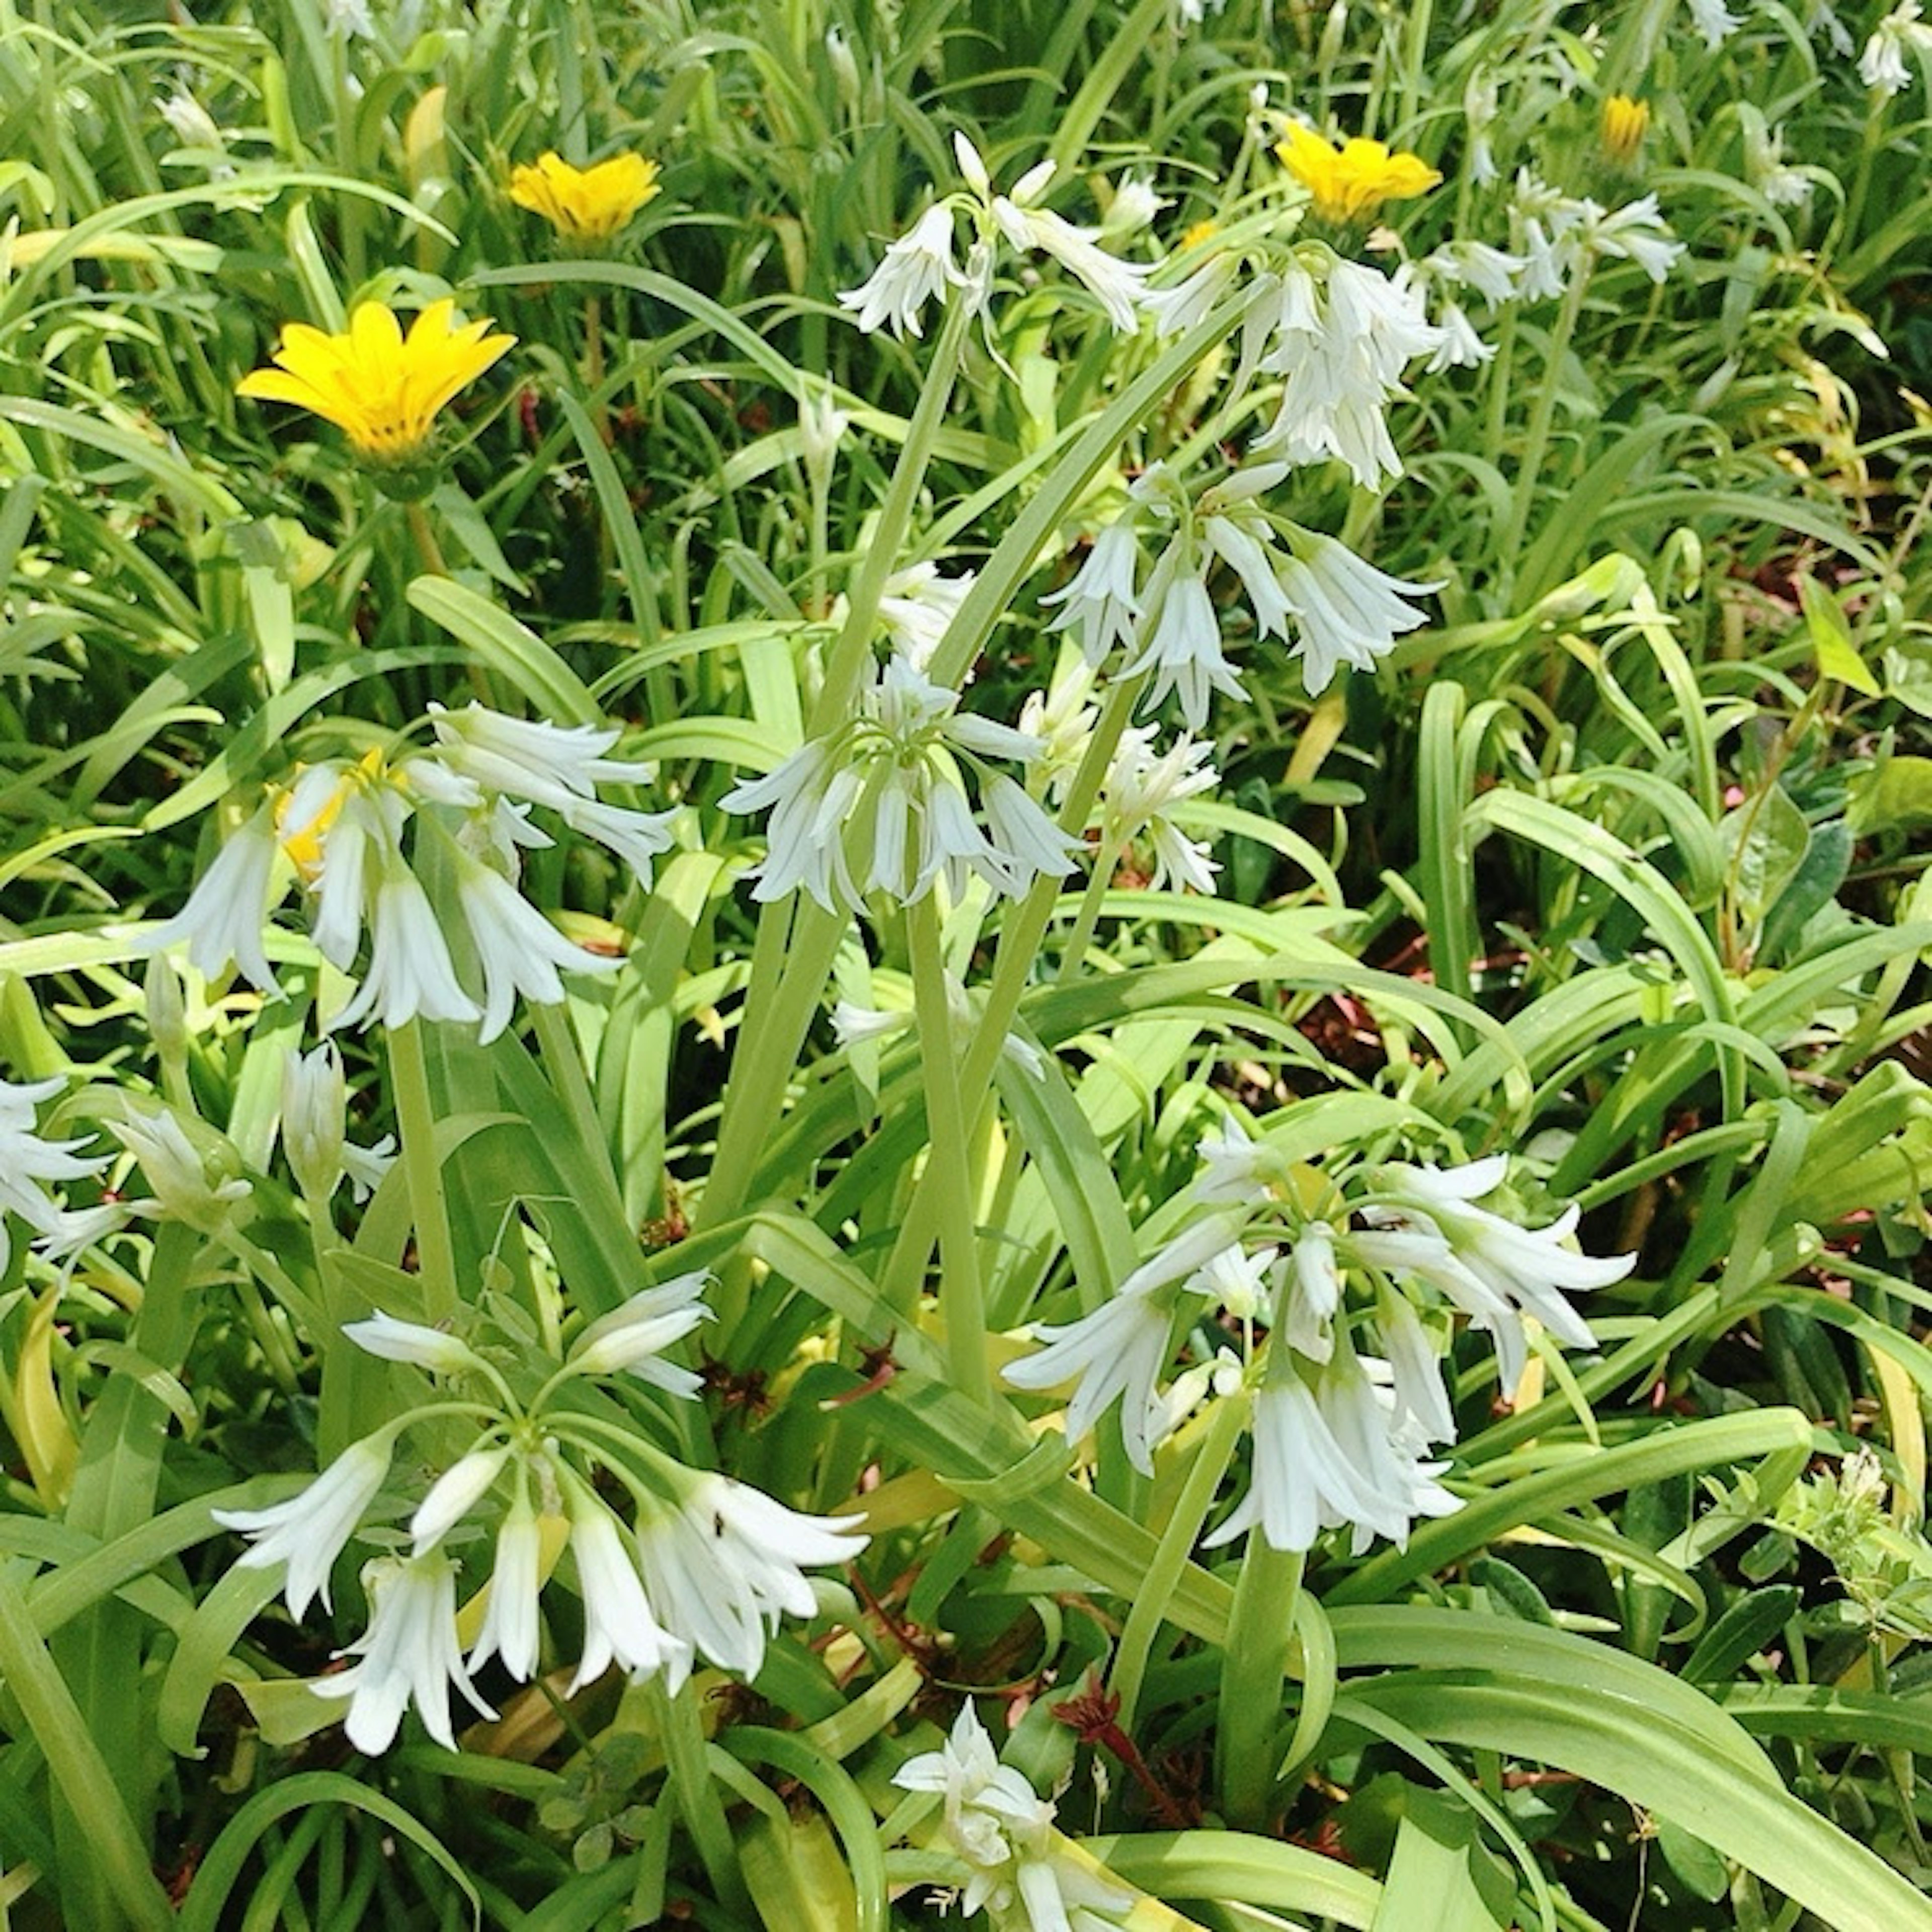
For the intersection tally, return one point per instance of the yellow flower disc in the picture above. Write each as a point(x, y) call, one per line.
point(585, 204)
point(1625, 121)
point(1351, 182)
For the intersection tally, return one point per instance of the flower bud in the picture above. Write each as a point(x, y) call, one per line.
point(167, 1018)
point(313, 1098)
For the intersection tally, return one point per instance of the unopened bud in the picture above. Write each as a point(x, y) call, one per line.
point(167, 1018)
point(314, 1097)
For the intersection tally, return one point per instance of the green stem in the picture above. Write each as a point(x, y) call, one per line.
point(949, 1159)
point(422, 1169)
point(424, 537)
point(682, 1735)
point(593, 363)
point(1254, 1666)
point(1177, 1540)
point(1099, 881)
point(1523, 499)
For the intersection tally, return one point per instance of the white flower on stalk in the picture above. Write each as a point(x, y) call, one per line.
point(631, 1338)
point(1346, 611)
point(410, 974)
point(1461, 347)
point(914, 269)
point(1003, 1830)
point(1182, 648)
point(1101, 606)
point(185, 1182)
point(1424, 1222)
point(510, 1630)
point(1134, 206)
point(724, 1562)
point(619, 1625)
point(1177, 307)
point(1062, 718)
point(230, 906)
point(822, 425)
point(191, 123)
point(519, 949)
point(1315, 1293)
point(1713, 21)
point(1822, 14)
point(1492, 272)
point(1415, 1368)
point(1635, 233)
point(1240, 1172)
point(27, 1162)
point(1140, 791)
point(410, 1652)
point(905, 757)
point(1114, 283)
point(1330, 1450)
point(916, 607)
point(1119, 1350)
point(454, 1494)
point(310, 1530)
point(1882, 66)
point(1781, 186)
point(393, 1340)
point(1479, 108)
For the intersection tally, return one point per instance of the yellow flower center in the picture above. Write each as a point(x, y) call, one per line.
point(304, 845)
point(1349, 183)
point(585, 204)
point(1625, 121)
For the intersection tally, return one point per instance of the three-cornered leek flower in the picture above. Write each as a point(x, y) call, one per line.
point(1350, 183)
point(585, 204)
point(381, 388)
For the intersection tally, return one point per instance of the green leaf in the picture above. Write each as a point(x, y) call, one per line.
point(1440, 1878)
point(1893, 796)
point(1831, 638)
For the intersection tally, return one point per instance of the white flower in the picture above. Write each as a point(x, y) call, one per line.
point(916, 268)
point(1183, 649)
point(1317, 1293)
point(619, 1625)
point(519, 949)
point(410, 1651)
point(510, 1630)
point(1882, 65)
point(1346, 610)
point(1714, 21)
point(1415, 1369)
point(191, 123)
point(26, 1161)
point(1331, 1453)
point(1119, 1349)
point(313, 1098)
point(723, 1562)
point(631, 1338)
point(454, 1494)
point(1140, 791)
point(177, 1171)
point(1480, 108)
point(1821, 13)
point(230, 903)
point(1134, 205)
point(411, 1342)
point(992, 1814)
point(1101, 607)
point(916, 606)
point(1177, 308)
point(1062, 718)
point(1425, 1224)
point(821, 426)
point(1636, 232)
point(349, 18)
point(1492, 272)
point(1240, 1172)
point(308, 1532)
point(410, 974)
point(1461, 347)
point(1116, 284)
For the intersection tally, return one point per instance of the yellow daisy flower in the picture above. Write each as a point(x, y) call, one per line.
point(585, 204)
point(1625, 121)
point(1350, 183)
point(381, 388)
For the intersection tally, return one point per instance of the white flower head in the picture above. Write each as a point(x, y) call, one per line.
point(1183, 648)
point(455, 1493)
point(1713, 21)
point(916, 607)
point(619, 1625)
point(189, 122)
point(1141, 789)
point(1882, 65)
point(915, 268)
point(188, 1186)
point(1134, 206)
point(223, 918)
point(1101, 606)
point(27, 1162)
point(309, 1531)
point(314, 1097)
point(1636, 232)
point(1346, 611)
point(510, 1631)
point(409, 1653)
point(410, 974)
point(1119, 1350)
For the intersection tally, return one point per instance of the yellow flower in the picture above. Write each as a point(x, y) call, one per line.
point(585, 204)
point(1351, 182)
point(1625, 121)
point(381, 388)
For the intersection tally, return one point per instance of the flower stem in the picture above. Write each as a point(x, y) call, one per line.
point(422, 1168)
point(593, 362)
point(1075, 953)
point(1523, 499)
point(1254, 1665)
point(681, 1735)
point(1223, 1430)
point(424, 537)
point(950, 1159)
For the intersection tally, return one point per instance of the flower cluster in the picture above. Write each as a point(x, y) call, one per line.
point(1343, 1433)
point(1300, 585)
point(340, 830)
point(1019, 1871)
point(919, 266)
point(708, 1568)
point(882, 805)
point(1882, 65)
point(27, 1164)
point(1562, 235)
